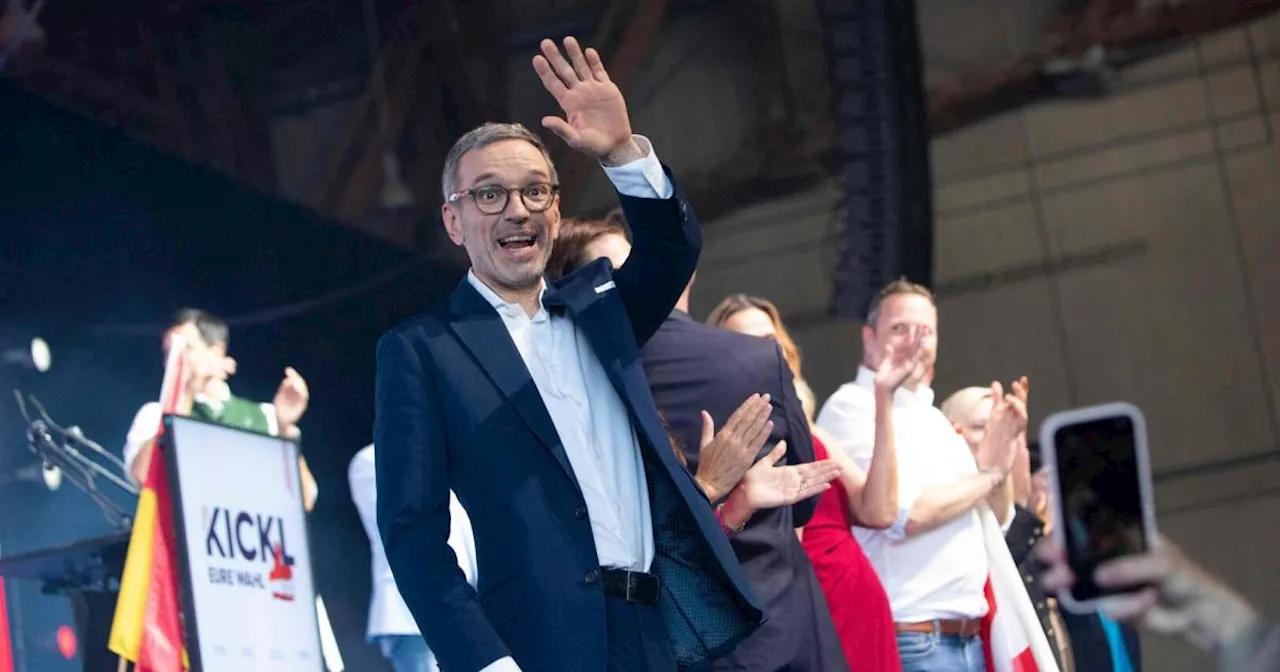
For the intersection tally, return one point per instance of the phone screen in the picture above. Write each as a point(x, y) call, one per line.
point(1097, 465)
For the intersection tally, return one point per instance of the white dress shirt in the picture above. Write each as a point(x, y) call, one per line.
point(146, 423)
point(388, 614)
point(939, 574)
point(590, 418)
point(593, 425)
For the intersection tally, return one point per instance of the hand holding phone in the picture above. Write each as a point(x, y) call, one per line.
point(1165, 591)
point(1100, 480)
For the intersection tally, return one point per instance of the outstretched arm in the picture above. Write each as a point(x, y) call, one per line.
point(413, 511)
point(666, 236)
point(994, 455)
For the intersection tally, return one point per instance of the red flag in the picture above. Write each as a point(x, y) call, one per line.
point(6, 647)
point(161, 649)
point(146, 628)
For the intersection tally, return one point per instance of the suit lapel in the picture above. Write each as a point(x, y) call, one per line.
point(579, 294)
point(482, 332)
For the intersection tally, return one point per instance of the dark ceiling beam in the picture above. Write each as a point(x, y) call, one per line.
point(474, 76)
point(1190, 20)
point(110, 103)
point(437, 89)
point(1118, 26)
point(642, 28)
point(353, 172)
point(476, 73)
point(227, 111)
point(179, 132)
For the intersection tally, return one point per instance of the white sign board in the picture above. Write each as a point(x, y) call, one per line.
point(249, 601)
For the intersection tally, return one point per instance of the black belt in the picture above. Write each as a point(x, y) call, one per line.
point(635, 587)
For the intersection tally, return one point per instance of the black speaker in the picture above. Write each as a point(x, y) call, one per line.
point(885, 217)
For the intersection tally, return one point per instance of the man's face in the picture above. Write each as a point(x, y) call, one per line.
point(207, 360)
point(900, 316)
point(610, 245)
point(508, 250)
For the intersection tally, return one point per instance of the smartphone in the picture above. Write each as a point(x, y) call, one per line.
point(1100, 480)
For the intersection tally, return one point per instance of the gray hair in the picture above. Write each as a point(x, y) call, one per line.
point(482, 136)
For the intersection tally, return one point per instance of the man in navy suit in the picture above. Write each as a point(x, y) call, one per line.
point(695, 368)
point(597, 551)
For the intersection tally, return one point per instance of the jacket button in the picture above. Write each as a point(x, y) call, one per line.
point(580, 512)
point(591, 577)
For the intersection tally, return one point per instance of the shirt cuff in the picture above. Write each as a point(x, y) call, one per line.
point(1008, 522)
point(642, 178)
point(504, 664)
point(898, 530)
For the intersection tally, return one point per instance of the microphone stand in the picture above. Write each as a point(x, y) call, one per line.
point(61, 448)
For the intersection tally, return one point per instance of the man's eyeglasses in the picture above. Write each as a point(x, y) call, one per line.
point(491, 199)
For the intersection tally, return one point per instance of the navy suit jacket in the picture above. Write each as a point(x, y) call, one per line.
point(457, 408)
point(694, 367)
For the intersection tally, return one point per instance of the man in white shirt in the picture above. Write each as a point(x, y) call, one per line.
point(597, 550)
point(932, 561)
point(391, 626)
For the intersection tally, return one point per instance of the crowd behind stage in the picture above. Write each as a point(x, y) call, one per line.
point(570, 472)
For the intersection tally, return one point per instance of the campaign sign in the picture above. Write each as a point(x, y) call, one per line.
point(248, 599)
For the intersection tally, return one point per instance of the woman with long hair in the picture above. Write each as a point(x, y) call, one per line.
point(857, 600)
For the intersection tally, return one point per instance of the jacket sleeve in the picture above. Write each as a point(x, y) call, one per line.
point(799, 440)
point(1021, 535)
point(666, 241)
point(413, 510)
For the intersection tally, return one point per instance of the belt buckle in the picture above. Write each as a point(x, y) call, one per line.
point(631, 582)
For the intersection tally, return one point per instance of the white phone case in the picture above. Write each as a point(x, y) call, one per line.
point(1049, 453)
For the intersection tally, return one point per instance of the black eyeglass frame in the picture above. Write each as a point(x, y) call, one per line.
point(506, 196)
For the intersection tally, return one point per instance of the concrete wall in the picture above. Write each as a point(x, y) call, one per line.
point(1121, 248)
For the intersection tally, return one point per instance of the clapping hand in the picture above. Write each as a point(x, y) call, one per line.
point(725, 456)
point(1021, 473)
point(1021, 390)
point(1008, 421)
point(768, 486)
point(596, 121)
point(291, 401)
point(900, 362)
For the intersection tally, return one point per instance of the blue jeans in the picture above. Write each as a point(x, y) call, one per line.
point(407, 653)
point(931, 652)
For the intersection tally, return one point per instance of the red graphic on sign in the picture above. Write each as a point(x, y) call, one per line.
point(281, 577)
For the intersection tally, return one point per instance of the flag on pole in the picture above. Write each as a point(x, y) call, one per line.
point(146, 629)
point(1012, 638)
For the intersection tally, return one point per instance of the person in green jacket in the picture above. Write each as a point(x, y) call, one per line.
point(208, 396)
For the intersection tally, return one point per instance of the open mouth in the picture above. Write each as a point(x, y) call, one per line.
point(517, 242)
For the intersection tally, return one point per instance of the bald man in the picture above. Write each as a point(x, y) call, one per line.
point(970, 410)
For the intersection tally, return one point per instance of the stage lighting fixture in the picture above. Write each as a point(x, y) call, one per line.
point(34, 355)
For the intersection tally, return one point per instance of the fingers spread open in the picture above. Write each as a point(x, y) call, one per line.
point(558, 63)
point(549, 79)
point(577, 59)
point(597, 67)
